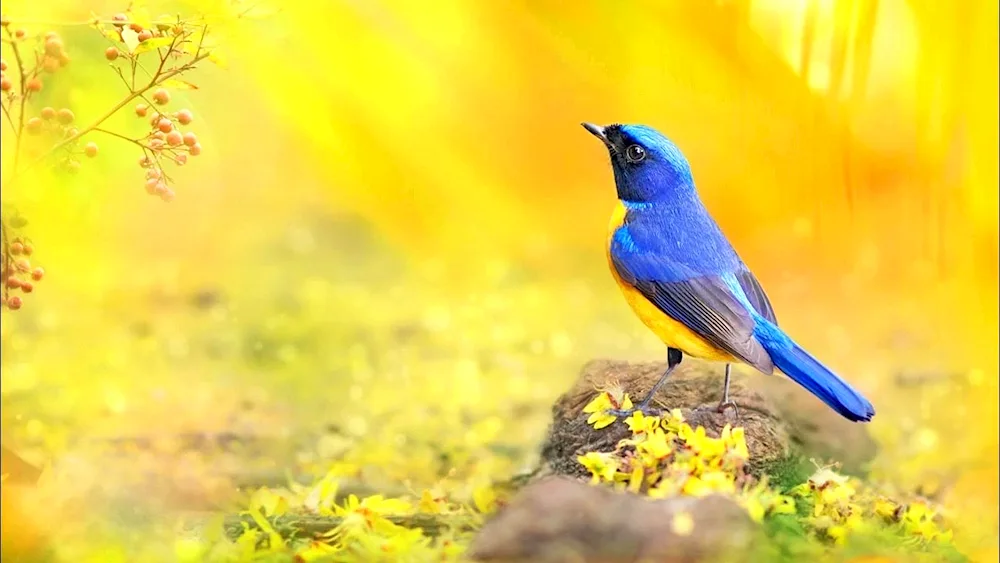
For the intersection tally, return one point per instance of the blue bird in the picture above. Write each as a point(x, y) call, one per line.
point(684, 280)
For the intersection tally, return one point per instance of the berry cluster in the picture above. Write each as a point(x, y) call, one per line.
point(16, 273)
point(165, 141)
point(49, 57)
point(149, 55)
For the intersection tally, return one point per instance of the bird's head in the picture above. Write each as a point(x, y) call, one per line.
point(648, 166)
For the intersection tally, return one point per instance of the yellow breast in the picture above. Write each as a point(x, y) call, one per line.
point(671, 332)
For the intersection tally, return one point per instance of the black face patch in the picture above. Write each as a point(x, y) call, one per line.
point(617, 138)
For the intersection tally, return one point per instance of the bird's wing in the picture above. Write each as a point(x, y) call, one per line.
point(704, 304)
point(755, 294)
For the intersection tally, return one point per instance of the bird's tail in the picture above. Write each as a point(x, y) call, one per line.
point(808, 372)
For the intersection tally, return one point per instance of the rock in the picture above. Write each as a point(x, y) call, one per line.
point(781, 420)
point(558, 519)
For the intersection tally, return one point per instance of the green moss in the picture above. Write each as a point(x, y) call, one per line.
point(787, 472)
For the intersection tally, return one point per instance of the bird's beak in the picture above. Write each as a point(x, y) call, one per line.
point(597, 131)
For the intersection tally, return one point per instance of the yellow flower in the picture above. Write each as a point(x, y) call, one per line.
point(602, 466)
point(837, 533)
point(755, 508)
point(886, 508)
point(695, 487)
point(636, 477)
point(719, 482)
point(654, 448)
point(735, 441)
point(836, 493)
point(639, 423)
point(672, 421)
point(599, 406)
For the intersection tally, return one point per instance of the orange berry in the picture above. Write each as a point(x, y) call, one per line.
point(195, 149)
point(3, 65)
point(23, 264)
point(119, 17)
point(28, 249)
point(16, 248)
point(37, 274)
point(53, 45)
point(47, 113)
point(184, 117)
point(145, 162)
point(14, 303)
point(151, 185)
point(135, 27)
point(190, 139)
point(174, 138)
point(156, 144)
point(50, 64)
point(13, 283)
point(152, 174)
point(165, 125)
point(141, 109)
point(90, 150)
point(65, 116)
point(181, 159)
point(6, 84)
point(27, 287)
point(161, 96)
point(70, 133)
point(63, 59)
point(34, 125)
point(167, 194)
point(20, 33)
point(111, 53)
point(144, 35)
point(34, 85)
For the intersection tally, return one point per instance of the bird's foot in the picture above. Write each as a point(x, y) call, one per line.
point(644, 408)
point(726, 405)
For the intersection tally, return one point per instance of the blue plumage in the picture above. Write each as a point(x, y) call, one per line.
point(673, 252)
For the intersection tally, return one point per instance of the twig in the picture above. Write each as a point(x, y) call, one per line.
point(19, 130)
point(6, 113)
point(119, 135)
point(158, 79)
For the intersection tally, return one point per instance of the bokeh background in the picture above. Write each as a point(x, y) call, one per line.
point(395, 236)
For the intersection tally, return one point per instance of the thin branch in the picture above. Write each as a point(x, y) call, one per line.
point(6, 113)
point(159, 79)
point(19, 130)
point(120, 136)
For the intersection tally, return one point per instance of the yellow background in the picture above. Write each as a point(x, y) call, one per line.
point(448, 132)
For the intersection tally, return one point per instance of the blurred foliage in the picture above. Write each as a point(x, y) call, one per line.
point(390, 255)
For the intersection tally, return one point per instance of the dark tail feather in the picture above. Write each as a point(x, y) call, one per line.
point(806, 370)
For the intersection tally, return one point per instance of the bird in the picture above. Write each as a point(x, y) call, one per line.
point(684, 280)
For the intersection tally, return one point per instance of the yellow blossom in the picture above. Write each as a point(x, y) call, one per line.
point(601, 404)
point(719, 482)
point(655, 447)
point(602, 466)
point(639, 423)
point(695, 487)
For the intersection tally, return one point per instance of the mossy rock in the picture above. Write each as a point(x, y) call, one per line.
point(785, 426)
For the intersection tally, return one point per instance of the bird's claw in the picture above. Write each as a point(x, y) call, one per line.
point(644, 409)
point(724, 405)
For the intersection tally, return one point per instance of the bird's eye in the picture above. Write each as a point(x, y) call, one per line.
point(635, 153)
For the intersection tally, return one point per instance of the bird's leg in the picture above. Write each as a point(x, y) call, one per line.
point(726, 403)
point(673, 358)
